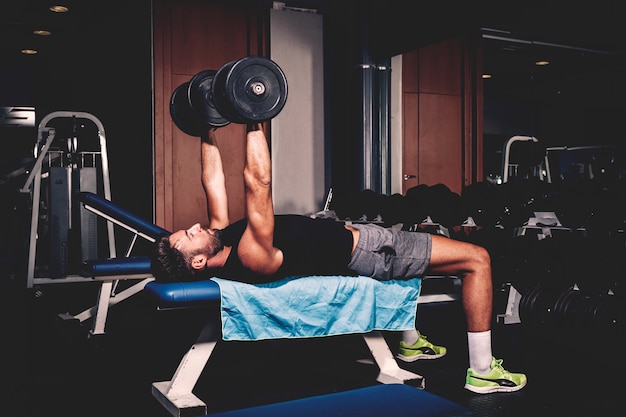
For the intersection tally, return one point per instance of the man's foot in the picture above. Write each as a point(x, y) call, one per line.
point(422, 349)
point(497, 380)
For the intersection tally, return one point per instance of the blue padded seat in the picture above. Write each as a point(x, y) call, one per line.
point(116, 266)
point(376, 401)
point(184, 294)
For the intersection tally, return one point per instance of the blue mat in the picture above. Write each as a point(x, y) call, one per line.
point(393, 400)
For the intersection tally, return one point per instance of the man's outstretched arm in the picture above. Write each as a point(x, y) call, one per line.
point(256, 248)
point(213, 181)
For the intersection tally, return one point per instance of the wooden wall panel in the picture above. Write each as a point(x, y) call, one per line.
point(410, 72)
point(191, 36)
point(410, 145)
point(441, 144)
point(440, 141)
point(440, 68)
point(207, 36)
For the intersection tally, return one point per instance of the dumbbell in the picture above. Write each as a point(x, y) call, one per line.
point(249, 90)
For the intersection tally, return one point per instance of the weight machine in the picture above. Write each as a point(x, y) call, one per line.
point(62, 226)
point(57, 214)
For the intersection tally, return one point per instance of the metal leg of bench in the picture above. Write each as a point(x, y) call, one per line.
point(390, 372)
point(106, 299)
point(176, 394)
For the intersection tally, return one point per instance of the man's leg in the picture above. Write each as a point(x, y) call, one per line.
point(472, 264)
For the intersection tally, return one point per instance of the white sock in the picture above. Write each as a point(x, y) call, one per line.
point(479, 346)
point(410, 336)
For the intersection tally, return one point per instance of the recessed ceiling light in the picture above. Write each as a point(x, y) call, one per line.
point(42, 32)
point(59, 9)
point(486, 76)
point(541, 63)
point(29, 51)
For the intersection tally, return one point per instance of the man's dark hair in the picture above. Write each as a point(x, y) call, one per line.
point(168, 264)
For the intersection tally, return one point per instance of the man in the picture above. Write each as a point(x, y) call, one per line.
point(264, 247)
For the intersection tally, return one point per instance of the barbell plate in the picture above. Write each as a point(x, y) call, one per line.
point(220, 100)
point(255, 89)
point(183, 115)
point(201, 99)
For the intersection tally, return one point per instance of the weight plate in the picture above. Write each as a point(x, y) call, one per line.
point(568, 307)
point(183, 116)
point(256, 89)
point(201, 99)
point(543, 306)
point(220, 100)
point(526, 304)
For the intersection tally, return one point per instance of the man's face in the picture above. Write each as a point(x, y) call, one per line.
point(193, 243)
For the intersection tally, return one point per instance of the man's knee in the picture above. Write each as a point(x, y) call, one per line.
point(482, 256)
point(481, 262)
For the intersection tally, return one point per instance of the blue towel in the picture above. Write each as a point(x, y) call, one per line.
point(314, 306)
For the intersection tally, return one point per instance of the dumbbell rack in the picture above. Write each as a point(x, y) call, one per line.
point(45, 137)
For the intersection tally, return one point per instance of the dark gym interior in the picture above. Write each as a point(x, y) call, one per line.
point(572, 331)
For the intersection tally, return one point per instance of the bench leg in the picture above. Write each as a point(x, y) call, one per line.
point(105, 300)
point(176, 395)
point(390, 372)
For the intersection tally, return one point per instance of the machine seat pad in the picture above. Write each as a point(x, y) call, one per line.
point(116, 266)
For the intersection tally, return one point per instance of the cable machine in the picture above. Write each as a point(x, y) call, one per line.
point(57, 221)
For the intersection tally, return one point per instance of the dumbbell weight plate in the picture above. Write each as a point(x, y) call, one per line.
point(220, 99)
point(255, 89)
point(201, 99)
point(182, 114)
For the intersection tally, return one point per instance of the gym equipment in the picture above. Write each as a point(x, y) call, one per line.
point(530, 158)
point(199, 93)
point(252, 89)
point(177, 395)
point(182, 113)
point(53, 213)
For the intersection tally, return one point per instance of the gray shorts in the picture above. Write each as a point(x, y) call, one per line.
point(384, 253)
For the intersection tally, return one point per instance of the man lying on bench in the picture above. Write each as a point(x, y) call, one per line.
point(264, 247)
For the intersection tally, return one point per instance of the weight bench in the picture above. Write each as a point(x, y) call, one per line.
point(176, 394)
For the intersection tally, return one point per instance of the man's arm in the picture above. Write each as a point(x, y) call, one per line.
point(213, 181)
point(256, 248)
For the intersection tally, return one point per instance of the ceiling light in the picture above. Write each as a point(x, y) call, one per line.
point(486, 76)
point(29, 51)
point(42, 32)
point(59, 9)
point(541, 63)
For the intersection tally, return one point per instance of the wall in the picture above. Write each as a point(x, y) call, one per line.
point(442, 138)
point(297, 145)
point(396, 125)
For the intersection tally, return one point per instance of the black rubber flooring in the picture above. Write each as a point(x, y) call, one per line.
point(51, 367)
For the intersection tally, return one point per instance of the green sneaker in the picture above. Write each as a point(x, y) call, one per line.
point(498, 380)
point(422, 349)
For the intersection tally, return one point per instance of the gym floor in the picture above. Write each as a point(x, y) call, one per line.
point(52, 368)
